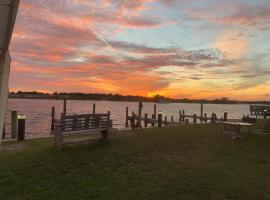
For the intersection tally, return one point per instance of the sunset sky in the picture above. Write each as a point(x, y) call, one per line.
point(177, 48)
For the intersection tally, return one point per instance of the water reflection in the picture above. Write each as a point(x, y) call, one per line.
point(38, 112)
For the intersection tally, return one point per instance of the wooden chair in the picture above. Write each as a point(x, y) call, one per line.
point(260, 130)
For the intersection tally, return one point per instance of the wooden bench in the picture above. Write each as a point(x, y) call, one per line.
point(261, 129)
point(81, 124)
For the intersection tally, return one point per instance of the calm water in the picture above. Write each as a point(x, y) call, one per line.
point(38, 117)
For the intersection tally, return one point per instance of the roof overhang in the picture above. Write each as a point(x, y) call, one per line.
point(8, 12)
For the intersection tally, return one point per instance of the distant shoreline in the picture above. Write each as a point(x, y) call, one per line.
point(152, 101)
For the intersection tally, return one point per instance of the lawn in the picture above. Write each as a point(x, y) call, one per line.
point(186, 162)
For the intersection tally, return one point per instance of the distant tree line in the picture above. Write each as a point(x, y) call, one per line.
point(117, 97)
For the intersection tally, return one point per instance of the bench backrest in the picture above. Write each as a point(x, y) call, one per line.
point(71, 123)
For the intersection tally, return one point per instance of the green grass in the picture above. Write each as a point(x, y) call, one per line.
point(186, 162)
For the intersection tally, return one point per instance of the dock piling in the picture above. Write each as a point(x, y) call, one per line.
point(225, 116)
point(126, 116)
point(140, 115)
point(145, 120)
point(21, 127)
point(65, 107)
point(201, 118)
point(14, 124)
point(155, 111)
point(94, 108)
point(153, 117)
point(194, 118)
point(4, 131)
point(159, 120)
point(52, 118)
point(183, 112)
point(132, 121)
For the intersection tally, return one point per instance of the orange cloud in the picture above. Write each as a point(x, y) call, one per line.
point(70, 46)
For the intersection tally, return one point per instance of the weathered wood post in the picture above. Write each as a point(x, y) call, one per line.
point(65, 107)
point(194, 118)
point(153, 117)
point(183, 115)
point(201, 118)
point(21, 127)
point(212, 117)
point(14, 124)
point(86, 122)
point(159, 120)
point(94, 108)
point(109, 116)
point(75, 122)
point(225, 116)
point(155, 111)
point(172, 119)
point(180, 116)
point(166, 120)
point(126, 116)
point(187, 121)
point(205, 117)
point(145, 120)
point(132, 115)
point(52, 118)
point(132, 121)
point(4, 131)
point(140, 115)
point(58, 135)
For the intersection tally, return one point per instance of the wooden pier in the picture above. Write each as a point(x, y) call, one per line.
point(260, 110)
point(135, 120)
